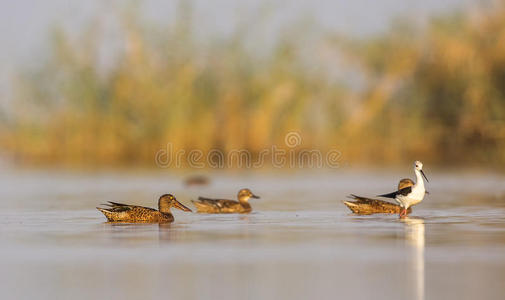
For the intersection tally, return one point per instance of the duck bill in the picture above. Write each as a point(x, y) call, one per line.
point(255, 197)
point(422, 173)
point(179, 205)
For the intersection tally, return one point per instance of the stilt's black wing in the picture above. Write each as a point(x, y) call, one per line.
point(390, 195)
point(405, 191)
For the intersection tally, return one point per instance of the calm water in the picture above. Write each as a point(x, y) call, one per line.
point(301, 242)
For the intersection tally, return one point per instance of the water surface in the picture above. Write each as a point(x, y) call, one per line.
point(301, 242)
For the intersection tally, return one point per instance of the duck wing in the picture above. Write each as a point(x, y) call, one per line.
point(120, 207)
point(220, 203)
point(368, 206)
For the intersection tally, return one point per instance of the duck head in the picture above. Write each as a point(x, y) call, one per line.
point(245, 194)
point(168, 201)
point(405, 182)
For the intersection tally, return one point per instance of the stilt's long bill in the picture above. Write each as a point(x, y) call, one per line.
point(410, 195)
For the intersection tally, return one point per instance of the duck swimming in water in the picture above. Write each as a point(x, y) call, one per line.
point(118, 212)
point(223, 206)
point(368, 206)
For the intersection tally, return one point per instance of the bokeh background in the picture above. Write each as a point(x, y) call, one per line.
point(109, 83)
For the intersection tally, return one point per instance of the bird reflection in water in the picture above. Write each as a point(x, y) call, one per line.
point(414, 234)
point(171, 232)
point(142, 234)
point(244, 217)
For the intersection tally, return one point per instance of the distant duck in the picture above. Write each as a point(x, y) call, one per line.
point(196, 180)
point(368, 206)
point(410, 195)
point(220, 206)
point(118, 212)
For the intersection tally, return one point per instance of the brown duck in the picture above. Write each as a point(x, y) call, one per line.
point(368, 206)
point(196, 180)
point(118, 212)
point(223, 206)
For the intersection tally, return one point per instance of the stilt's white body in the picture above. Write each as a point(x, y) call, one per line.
point(417, 194)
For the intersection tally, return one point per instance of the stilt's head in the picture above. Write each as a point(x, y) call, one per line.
point(245, 194)
point(167, 201)
point(418, 166)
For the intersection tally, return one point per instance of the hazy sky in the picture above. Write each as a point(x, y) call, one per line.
point(24, 24)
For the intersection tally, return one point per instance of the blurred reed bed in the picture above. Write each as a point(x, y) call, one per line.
point(438, 94)
point(435, 94)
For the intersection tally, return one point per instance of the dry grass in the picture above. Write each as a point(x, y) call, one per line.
point(437, 95)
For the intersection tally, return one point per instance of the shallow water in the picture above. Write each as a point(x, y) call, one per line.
point(301, 242)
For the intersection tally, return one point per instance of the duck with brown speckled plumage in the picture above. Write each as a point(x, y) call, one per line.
point(118, 212)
